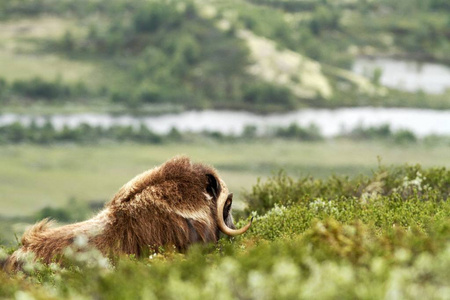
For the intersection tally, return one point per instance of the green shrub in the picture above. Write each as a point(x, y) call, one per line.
point(402, 181)
point(404, 137)
point(73, 211)
point(264, 93)
point(294, 131)
point(380, 132)
point(324, 17)
point(38, 88)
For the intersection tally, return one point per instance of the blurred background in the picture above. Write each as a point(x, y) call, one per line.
point(93, 92)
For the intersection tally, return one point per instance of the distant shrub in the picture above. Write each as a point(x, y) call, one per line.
point(152, 94)
point(264, 93)
point(404, 137)
point(382, 132)
point(250, 132)
point(294, 131)
point(324, 18)
point(73, 211)
point(38, 88)
point(53, 213)
point(154, 15)
point(174, 135)
point(3, 88)
point(13, 133)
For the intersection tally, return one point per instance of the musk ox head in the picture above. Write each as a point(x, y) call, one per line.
point(223, 203)
point(187, 201)
point(178, 203)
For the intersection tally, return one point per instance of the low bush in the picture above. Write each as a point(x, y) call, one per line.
point(294, 131)
point(382, 132)
point(73, 211)
point(400, 182)
point(38, 88)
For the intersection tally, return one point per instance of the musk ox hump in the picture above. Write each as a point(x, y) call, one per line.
point(177, 182)
point(151, 177)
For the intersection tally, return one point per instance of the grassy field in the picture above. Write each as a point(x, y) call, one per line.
point(21, 57)
point(32, 177)
point(383, 236)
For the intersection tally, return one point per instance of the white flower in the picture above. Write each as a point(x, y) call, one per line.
point(321, 205)
point(81, 241)
point(402, 255)
point(21, 295)
point(413, 183)
point(277, 210)
point(257, 285)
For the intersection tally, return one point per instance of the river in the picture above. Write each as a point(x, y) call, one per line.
point(406, 75)
point(331, 122)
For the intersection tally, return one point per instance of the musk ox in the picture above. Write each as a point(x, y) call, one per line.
point(178, 203)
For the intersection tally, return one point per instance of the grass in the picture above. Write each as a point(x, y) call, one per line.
point(384, 236)
point(27, 66)
point(21, 58)
point(32, 177)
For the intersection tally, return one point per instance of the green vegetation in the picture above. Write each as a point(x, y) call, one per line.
point(46, 134)
point(406, 28)
point(163, 54)
point(173, 55)
point(369, 237)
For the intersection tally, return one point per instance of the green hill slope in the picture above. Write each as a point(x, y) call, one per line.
point(166, 55)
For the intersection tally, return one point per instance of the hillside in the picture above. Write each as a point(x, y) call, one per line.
point(367, 237)
point(156, 56)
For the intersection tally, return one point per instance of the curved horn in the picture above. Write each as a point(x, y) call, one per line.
point(221, 222)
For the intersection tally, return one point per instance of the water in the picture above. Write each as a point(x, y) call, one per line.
point(331, 122)
point(406, 75)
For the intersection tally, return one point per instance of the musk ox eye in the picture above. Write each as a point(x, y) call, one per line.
point(229, 201)
point(227, 207)
point(213, 186)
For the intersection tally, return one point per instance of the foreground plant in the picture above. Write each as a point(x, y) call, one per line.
point(385, 236)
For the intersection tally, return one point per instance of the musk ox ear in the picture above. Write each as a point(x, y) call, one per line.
point(213, 187)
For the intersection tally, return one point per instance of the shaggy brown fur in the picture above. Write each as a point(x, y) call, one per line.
point(174, 204)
